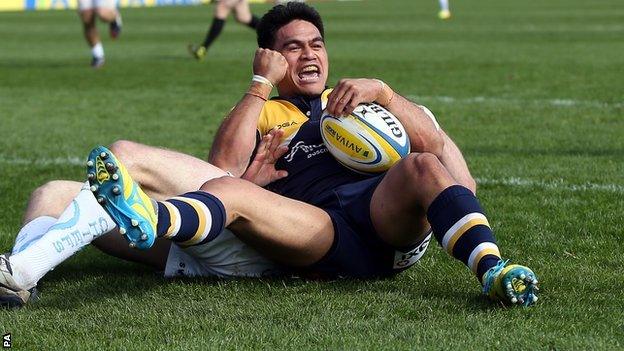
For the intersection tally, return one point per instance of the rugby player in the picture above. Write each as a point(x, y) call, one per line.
point(222, 10)
point(445, 11)
point(89, 11)
point(62, 217)
point(321, 218)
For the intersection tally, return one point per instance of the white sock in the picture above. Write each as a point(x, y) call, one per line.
point(444, 5)
point(97, 50)
point(31, 232)
point(80, 223)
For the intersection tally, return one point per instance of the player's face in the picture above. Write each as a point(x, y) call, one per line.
point(304, 49)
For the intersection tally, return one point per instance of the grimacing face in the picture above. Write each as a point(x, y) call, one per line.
point(300, 42)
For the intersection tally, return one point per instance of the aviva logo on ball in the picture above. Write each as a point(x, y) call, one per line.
point(369, 140)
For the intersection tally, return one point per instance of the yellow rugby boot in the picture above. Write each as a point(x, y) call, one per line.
point(122, 198)
point(513, 284)
point(198, 52)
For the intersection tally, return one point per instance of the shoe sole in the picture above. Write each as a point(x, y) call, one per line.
point(121, 197)
point(519, 285)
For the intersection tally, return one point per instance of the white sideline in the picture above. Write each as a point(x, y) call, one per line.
point(512, 181)
point(494, 100)
point(60, 161)
point(555, 185)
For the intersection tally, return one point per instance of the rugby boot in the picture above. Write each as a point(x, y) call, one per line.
point(122, 198)
point(11, 294)
point(512, 284)
point(198, 52)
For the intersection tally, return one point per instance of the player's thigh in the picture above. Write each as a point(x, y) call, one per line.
point(242, 12)
point(400, 201)
point(288, 231)
point(224, 7)
point(162, 172)
point(87, 16)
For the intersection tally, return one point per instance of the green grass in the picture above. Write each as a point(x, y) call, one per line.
point(531, 91)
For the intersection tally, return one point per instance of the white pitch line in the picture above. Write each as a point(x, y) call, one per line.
point(490, 100)
point(555, 185)
point(511, 182)
point(60, 161)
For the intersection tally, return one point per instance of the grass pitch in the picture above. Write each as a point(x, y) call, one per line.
point(531, 91)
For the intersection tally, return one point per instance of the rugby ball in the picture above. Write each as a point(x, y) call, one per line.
point(369, 140)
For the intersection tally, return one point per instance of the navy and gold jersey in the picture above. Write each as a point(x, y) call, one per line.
point(312, 170)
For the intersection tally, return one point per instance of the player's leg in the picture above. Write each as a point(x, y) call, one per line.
point(221, 12)
point(106, 11)
point(454, 162)
point(445, 12)
point(163, 173)
point(243, 15)
point(419, 191)
point(48, 202)
point(86, 12)
point(289, 231)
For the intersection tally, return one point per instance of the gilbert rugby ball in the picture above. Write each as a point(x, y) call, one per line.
point(369, 140)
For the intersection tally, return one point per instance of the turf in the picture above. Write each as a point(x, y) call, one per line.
point(530, 90)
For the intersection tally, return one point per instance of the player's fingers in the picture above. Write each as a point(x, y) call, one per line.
point(333, 99)
point(280, 151)
point(273, 147)
point(356, 99)
point(265, 143)
point(280, 175)
point(343, 102)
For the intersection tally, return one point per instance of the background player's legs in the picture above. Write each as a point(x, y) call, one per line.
point(108, 12)
point(445, 12)
point(243, 14)
point(92, 36)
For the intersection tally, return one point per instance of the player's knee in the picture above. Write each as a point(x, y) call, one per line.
point(105, 14)
point(224, 183)
point(54, 189)
point(421, 164)
point(125, 151)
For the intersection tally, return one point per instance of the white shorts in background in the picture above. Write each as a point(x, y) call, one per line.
point(225, 256)
point(84, 5)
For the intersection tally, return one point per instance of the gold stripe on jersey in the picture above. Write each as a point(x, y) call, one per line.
point(280, 114)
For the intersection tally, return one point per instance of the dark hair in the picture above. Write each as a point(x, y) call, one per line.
point(281, 15)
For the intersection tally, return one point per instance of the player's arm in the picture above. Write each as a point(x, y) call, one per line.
point(236, 138)
point(423, 132)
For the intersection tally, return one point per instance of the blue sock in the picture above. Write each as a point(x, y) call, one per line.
point(191, 219)
point(460, 226)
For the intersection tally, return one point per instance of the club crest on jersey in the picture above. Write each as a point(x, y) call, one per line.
point(310, 150)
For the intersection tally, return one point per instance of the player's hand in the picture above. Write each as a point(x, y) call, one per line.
point(270, 64)
point(261, 170)
point(349, 93)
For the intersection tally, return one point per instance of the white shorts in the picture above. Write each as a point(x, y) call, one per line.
point(84, 5)
point(225, 256)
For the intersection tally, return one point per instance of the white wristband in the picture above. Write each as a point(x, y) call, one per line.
point(260, 79)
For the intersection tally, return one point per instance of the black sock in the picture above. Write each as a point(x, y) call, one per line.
point(215, 29)
point(254, 22)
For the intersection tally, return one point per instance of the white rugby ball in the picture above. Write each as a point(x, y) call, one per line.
point(369, 140)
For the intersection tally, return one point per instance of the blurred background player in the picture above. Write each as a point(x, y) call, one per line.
point(106, 11)
point(222, 10)
point(445, 12)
